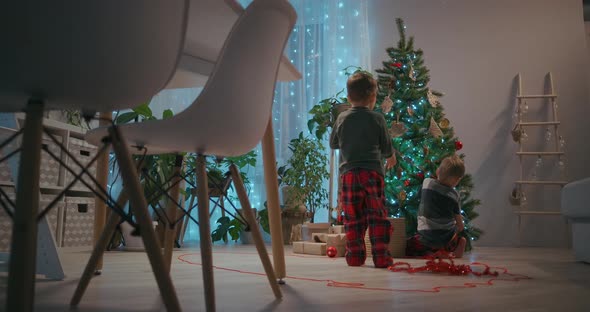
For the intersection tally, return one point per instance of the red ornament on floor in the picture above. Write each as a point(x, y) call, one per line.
point(331, 252)
point(458, 145)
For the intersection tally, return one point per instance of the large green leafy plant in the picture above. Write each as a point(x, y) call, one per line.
point(306, 172)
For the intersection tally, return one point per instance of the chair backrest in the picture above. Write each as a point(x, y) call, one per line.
point(91, 55)
point(236, 102)
point(230, 115)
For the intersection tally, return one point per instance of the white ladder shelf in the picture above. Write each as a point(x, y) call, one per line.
point(551, 99)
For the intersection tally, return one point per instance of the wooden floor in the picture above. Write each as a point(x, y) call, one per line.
point(557, 283)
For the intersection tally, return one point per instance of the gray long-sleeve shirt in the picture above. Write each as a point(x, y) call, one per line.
point(363, 139)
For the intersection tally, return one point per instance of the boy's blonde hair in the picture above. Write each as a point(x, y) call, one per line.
point(451, 166)
point(360, 87)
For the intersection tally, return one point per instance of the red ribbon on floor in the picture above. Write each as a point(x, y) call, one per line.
point(436, 263)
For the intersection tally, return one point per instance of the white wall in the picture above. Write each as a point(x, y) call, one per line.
point(474, 49)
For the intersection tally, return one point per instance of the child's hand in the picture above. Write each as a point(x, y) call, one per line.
point(390, 162)
point(460, 227)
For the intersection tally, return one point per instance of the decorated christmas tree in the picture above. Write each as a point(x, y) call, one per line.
point(421, 134)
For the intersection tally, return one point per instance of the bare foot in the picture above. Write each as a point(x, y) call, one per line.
point(460, 247)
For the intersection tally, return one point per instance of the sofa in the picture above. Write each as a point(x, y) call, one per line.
point(575, 206)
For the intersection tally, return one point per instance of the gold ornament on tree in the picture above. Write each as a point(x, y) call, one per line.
point(386, 105)
point(410, 111)
point(444, 123)
point(434, 130)
point(397, 128)
point(402, 196)
point(433, 99)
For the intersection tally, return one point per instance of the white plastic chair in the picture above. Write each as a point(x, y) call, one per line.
point(228, 118)
point(96, 56)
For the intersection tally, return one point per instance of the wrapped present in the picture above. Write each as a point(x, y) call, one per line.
point(337, 229)
point(337, 241)
point(310, 248)
point(307, 230)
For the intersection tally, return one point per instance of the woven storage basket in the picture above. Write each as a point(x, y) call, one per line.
point(84, 153)
point(52, 218)
point(49, 170)
point(79, 225)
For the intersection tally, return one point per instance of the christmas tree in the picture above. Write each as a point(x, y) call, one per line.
point(421, 134)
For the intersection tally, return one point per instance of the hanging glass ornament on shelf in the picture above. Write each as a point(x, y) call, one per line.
point(525, 108)
point(562, 142)
point(534, 175)
point(539, 161)
point(523, 199)
point(516, 113)
point(548, 134)
point(524, 136)
point(561, 165)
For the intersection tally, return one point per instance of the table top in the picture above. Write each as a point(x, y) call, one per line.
point(210, 22)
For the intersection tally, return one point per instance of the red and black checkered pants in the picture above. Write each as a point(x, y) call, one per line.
point(363, 203)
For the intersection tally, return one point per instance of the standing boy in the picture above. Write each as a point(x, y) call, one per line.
point(363, 140)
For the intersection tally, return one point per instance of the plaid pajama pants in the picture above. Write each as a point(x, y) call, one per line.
point(417, 247)
point(363, 203)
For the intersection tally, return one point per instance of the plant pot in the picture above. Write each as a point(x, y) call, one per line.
point(290, 218)
point(288, 202)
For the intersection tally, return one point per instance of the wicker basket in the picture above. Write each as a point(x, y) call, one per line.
point(84, 153)
point(52, 217)
point(79, 224)
point(397, 241)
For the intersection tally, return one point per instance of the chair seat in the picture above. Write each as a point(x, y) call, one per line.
point(181, 134)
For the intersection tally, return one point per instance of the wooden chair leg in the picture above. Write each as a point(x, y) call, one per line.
point(102, 176)
point(139, 208)
point(256, 235)
point(272, 193)
point(98, 251)
point(170, 231)
point(23, 249)
point(205, 233)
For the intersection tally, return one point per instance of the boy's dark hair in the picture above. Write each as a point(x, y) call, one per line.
point(360, 86)
point(451, 166)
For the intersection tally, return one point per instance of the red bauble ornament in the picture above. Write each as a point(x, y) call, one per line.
point(420, 175)
point(331, 252)
point(407, 182)
point(397, 64)
point(458, 145)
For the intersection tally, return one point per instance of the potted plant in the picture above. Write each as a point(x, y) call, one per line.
point(235, 227)
point(324, 114)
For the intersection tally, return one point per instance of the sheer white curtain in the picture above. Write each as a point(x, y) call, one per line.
point(329, 36)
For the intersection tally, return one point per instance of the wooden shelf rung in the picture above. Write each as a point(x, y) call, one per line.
point(539, 153)
point(532, 212)
point(539, 123)
point(536, 96)
point(542, 182)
